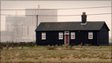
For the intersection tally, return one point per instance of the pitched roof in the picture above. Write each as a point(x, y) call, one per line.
point(60, 26)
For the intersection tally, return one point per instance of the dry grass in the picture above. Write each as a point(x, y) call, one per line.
point(58, 54)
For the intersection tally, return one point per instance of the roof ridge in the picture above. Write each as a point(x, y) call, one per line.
point(71, 22)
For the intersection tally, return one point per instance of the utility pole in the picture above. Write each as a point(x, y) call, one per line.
point(36, 20)
point(37, 16)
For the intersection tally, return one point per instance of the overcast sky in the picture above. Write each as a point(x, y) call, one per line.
point(64, 4)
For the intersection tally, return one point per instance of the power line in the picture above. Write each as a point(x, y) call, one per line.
point(100, 14)
point(85, 7)
point(58, 15)
point(53, 0)
point(60, 8)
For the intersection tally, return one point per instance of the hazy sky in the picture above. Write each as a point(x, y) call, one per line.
point(63, 4)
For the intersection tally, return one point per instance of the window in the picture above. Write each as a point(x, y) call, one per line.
point(60, 35)
point(43, 36)
point(90, 35)
point(72, 35)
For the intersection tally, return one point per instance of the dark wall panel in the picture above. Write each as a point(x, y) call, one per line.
point(103, 36)
point(81, 37)
point(51, 38)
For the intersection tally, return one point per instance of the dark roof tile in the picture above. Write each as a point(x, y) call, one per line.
point(60, 26)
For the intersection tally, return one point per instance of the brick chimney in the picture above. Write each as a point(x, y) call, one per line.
point(84, 17)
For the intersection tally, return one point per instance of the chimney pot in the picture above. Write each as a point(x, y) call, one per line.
point(84, 16)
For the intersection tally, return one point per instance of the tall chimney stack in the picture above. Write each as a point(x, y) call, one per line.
point(84, 16)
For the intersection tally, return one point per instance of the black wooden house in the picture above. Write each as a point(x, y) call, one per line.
point(73, 33)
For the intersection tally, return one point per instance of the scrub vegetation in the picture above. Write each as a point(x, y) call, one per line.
point(55, 54)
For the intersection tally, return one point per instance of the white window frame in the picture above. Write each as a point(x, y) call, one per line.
point(90, 35)
point(60, 36)
point(72, 35)
point(43, 36)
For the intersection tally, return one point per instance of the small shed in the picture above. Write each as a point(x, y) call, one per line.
point(73, 33)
